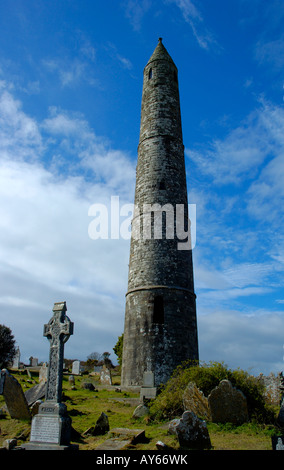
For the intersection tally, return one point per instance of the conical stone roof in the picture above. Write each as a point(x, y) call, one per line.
point(160, 53)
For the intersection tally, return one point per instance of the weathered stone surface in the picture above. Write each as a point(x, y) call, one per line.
point(35, 407)
point(273, 387)
point(76, 368)
point(88, 386)
point(136, 435)
point(71, 379)
point(277, 442)
point(140, 411)
point(105, 376)
point(194, 400)
point(191, 431)
point(114, 444)
point(14, 396)
point(102, 425)
point(227, 404)
point(35, 393)
point(172, 426)
point(160, 313)
point(121, 438)
point(161, 445)
point(42, 376)
point(9, 444)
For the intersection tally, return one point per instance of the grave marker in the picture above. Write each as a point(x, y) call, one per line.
point(148, 390)
point(76, 369)
point(14, 396)
point(51, 427)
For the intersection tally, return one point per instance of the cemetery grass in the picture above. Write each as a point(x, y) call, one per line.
point(85, 406)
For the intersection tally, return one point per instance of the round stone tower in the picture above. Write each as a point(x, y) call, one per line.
point(160, 317)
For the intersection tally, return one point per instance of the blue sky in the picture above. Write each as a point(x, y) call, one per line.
point(70, 95)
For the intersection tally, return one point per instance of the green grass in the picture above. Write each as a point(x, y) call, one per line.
point(84, 407)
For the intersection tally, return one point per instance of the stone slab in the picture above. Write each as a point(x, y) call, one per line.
point(148, 393)
point(35, 393)
point(46, 429)
point(14, 397)
point(136, 435)
point(44, 446)
point(114, 444)
point(121, 438)
point(148, 379)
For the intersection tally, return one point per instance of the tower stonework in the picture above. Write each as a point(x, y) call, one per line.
point(160, 328)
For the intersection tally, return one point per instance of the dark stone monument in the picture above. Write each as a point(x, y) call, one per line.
point(51, 427)
point(14, 396)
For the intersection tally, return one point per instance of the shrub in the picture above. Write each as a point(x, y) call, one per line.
point(168, 403)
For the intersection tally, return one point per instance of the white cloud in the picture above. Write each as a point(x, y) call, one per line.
point(253, 342)
point(71, 72)
point(19, 133)
point(245, 149)
point(135, 11)
point(46, 254)
point(194, 18)
point(271, 53)
point(266, 194)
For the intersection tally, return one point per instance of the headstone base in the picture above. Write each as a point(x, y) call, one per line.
point(46, 446)
point(148, 393)
point(51, 426)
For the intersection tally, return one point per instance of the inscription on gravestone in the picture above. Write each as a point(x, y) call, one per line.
point(52, 425)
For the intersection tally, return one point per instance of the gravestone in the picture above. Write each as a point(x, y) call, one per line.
point(14, 396)
point(194, 400)
point(277, 442)
point(105, 376)
point(76, 368)
point(33, 361)
point(227, 404)
point(35, 393)
point(191, 431)
point(51, 427)
point(148, 390)
point(16, 360)
point(42, 376)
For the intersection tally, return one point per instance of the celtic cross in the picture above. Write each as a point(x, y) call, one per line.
point(57, 330)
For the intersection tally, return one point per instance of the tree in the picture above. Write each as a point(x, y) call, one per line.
point(7, 346)
point(94, 358)
point(106, 359)
point(118, 349)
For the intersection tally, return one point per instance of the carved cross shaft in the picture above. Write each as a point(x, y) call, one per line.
point(57, 330)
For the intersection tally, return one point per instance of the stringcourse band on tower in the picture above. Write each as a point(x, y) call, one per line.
point(160, 328)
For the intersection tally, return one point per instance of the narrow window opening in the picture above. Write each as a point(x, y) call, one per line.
point(158, 316)
point(162, 185)
point(150, 75)
point(175, 76)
